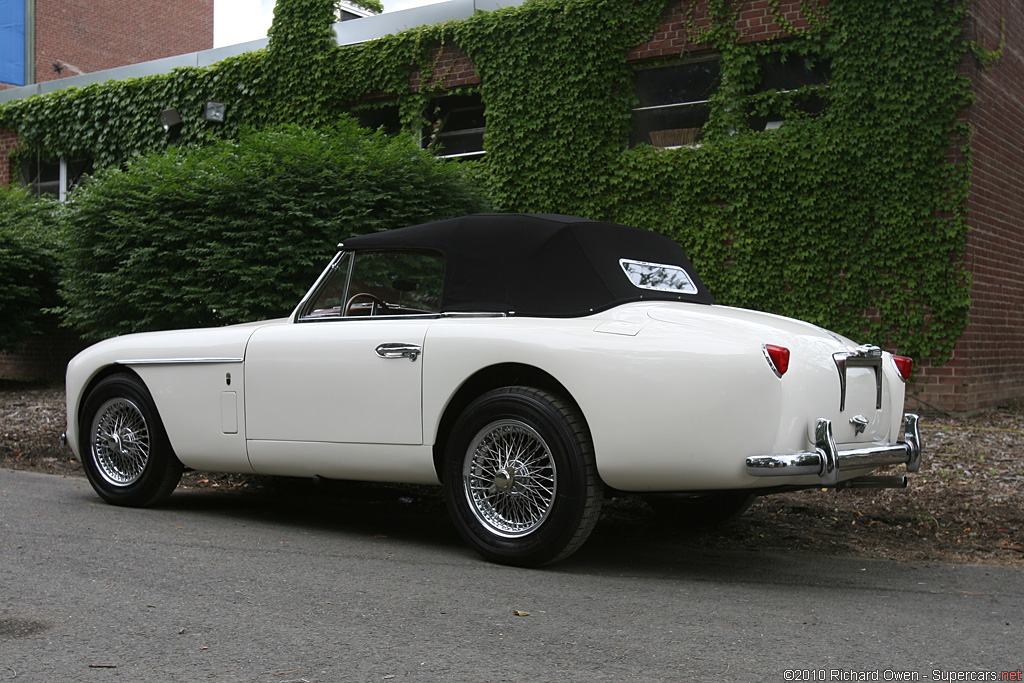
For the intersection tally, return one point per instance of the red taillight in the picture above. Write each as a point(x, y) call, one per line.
point(904, 366)
point(778, 358)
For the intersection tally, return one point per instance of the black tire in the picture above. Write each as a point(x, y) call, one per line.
point(124, 448)
point(520, 479)
point(701, 511)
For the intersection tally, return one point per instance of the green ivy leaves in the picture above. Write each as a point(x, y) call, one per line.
point(852, 218)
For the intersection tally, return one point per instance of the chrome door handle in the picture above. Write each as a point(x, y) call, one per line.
point(410, 351)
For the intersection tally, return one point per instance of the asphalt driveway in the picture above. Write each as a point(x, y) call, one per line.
point(299, 585)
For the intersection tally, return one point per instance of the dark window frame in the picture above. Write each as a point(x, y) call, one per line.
point(675, 115)
point(459, 119)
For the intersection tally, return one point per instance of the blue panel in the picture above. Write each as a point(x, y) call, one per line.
point(12, 42)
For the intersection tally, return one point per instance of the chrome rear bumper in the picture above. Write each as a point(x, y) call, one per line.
point(827, 462)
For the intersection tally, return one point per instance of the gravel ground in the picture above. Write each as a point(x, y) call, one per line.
point(963, 506)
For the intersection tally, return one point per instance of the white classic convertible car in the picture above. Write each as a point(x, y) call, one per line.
point(526, 363)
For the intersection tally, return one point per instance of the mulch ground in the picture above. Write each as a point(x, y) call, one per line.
point(963, 506)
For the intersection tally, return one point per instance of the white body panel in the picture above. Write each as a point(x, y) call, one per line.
point(186, 372)
point(357, 461)
point(324, 382)
point(676, 395)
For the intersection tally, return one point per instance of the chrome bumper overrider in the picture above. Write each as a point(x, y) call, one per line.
point(827, 462)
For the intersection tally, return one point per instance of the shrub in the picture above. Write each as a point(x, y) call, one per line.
point(28, 265)
point(238, 230)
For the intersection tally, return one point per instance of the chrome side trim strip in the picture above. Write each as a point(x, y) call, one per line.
point(828, 462)
point(177, 361)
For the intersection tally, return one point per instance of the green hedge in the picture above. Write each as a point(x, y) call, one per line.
point(237, 231)
point(28, 265)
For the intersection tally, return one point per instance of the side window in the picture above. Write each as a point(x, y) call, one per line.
point(376, 283)
point(395, 283)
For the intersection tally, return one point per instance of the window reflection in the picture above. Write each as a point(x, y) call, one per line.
point(658, 276)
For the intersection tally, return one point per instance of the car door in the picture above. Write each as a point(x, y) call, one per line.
point(343, 381)
point(348, 369)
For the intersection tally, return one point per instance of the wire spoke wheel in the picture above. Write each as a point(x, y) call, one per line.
point(120, 442)
point(520, 478)
point(124, 447)
point(509, 478)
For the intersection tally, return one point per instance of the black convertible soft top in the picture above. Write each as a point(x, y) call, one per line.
point(538, 264)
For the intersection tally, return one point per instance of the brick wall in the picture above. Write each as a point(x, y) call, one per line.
point(757, 19)
point(8, 142)
point(755, 22)
point(987, 367)
point(43, 357)
point(452, 69)
point(82, 37)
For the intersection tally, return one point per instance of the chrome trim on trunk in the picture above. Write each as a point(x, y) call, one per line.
point(865, 356)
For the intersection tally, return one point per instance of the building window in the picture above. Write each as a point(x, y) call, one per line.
point(455, 127)
point(56, 178)
point(384, 118)
point(789, 83)
point(673, 103)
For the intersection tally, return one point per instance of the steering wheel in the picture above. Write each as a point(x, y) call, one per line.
point(375, 302)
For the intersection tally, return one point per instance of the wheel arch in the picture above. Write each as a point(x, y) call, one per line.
point(75, 433)
point(132, 463)
point(484, 380)
point(99, 376)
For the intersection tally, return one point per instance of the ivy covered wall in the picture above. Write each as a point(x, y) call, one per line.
point(851, 217)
